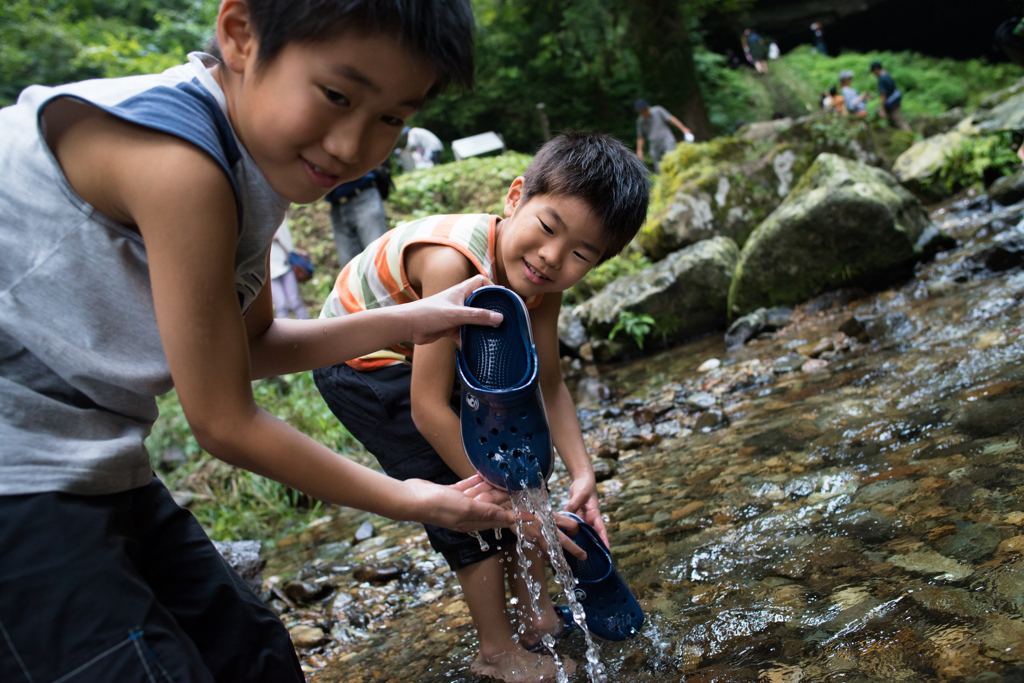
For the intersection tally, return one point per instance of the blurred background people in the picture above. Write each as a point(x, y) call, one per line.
point(424, 145)
point(284, 285)
point(357, 212)
point(652, 124)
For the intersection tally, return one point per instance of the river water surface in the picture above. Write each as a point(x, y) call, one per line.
point(855, 518)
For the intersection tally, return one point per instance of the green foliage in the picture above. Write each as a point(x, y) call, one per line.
point(635, 326)
point(832, 132)
point(976, 160)
point(586, 60)
point(232, 503)
point(930, 85)
point(68, 40)
point(640, 327)
point(572, 55)
point(731, 95)
point(475, 185)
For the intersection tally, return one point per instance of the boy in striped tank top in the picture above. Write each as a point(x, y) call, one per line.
point(579, 203)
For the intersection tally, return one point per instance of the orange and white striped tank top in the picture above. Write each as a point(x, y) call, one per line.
point(377, 278)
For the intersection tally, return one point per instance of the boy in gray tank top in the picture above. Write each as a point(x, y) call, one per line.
point(136, 216)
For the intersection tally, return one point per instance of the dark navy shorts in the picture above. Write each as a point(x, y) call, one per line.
point(376, 408)
point(127, 587)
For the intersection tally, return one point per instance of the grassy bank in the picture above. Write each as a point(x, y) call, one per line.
point(930, 85)
point(232, 503)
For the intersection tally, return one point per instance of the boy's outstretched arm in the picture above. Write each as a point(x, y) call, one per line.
point(183, 207)
point(678, 124)
point(565, 425)
point(281, 346)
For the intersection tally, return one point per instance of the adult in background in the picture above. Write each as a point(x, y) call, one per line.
point(889, 98)
point(756, 49)
point(357, 213)
point(284, 286)
point(819, 39)
point(652, 123)
point(428, 145)
point(855, 102)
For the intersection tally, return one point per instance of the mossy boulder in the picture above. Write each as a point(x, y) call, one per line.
point(729, 185)
point(1002, 110)
point(1008, 189)
point(722, 199)
point(918, 167)
point(1007, 115)
point(845, 224)
point(685, 294)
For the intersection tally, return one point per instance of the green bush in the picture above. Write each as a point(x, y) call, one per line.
point(475, 185)
point(731, 95)
point(640, 327)
point(930, 85)
point(975, 161)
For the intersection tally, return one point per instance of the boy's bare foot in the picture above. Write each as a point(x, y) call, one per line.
point(552, 623)
point(532, 636)
point(521, 666)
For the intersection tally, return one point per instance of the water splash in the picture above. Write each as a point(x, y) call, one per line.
point(538, 504)
point(484, 545)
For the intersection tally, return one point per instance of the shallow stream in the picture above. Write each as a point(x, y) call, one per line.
point(859, 518)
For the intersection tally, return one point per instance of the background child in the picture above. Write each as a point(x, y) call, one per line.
point(137, 215)
point(284, 285)
point(580, 202)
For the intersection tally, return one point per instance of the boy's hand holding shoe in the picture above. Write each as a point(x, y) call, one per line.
point(440, 316)
point(583, 501)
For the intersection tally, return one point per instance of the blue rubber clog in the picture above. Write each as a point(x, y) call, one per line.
point(613, 612)
point(504, 424)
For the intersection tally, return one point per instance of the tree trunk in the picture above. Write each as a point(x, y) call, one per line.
point(664, 47)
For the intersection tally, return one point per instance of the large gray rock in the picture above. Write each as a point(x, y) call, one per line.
point(917, 167)
point(686, 294)
point(845, 224)
point(571, 332)
point(729, 201)
point(728, 186)
point(942, 123)
point(1008, 114)
point(244, 558)
point(1008, 189)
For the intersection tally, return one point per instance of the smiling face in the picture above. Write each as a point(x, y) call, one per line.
point(318, 114)
point(547, 244)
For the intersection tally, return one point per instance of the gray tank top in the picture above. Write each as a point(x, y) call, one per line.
point(81, 360)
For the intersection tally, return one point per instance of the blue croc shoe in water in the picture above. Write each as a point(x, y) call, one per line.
point(504, 425)
point(613, 613)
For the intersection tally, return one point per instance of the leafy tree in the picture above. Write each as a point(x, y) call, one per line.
point(586, 60)
point(69, 40)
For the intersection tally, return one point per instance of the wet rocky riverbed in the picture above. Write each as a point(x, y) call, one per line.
point(840, 500)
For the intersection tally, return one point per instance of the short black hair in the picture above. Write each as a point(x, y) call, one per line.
point(439, 30)
point(601, 171)
point(875, 65)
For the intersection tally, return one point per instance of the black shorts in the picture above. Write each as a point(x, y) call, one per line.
point(376, 408)
point(127, 587)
